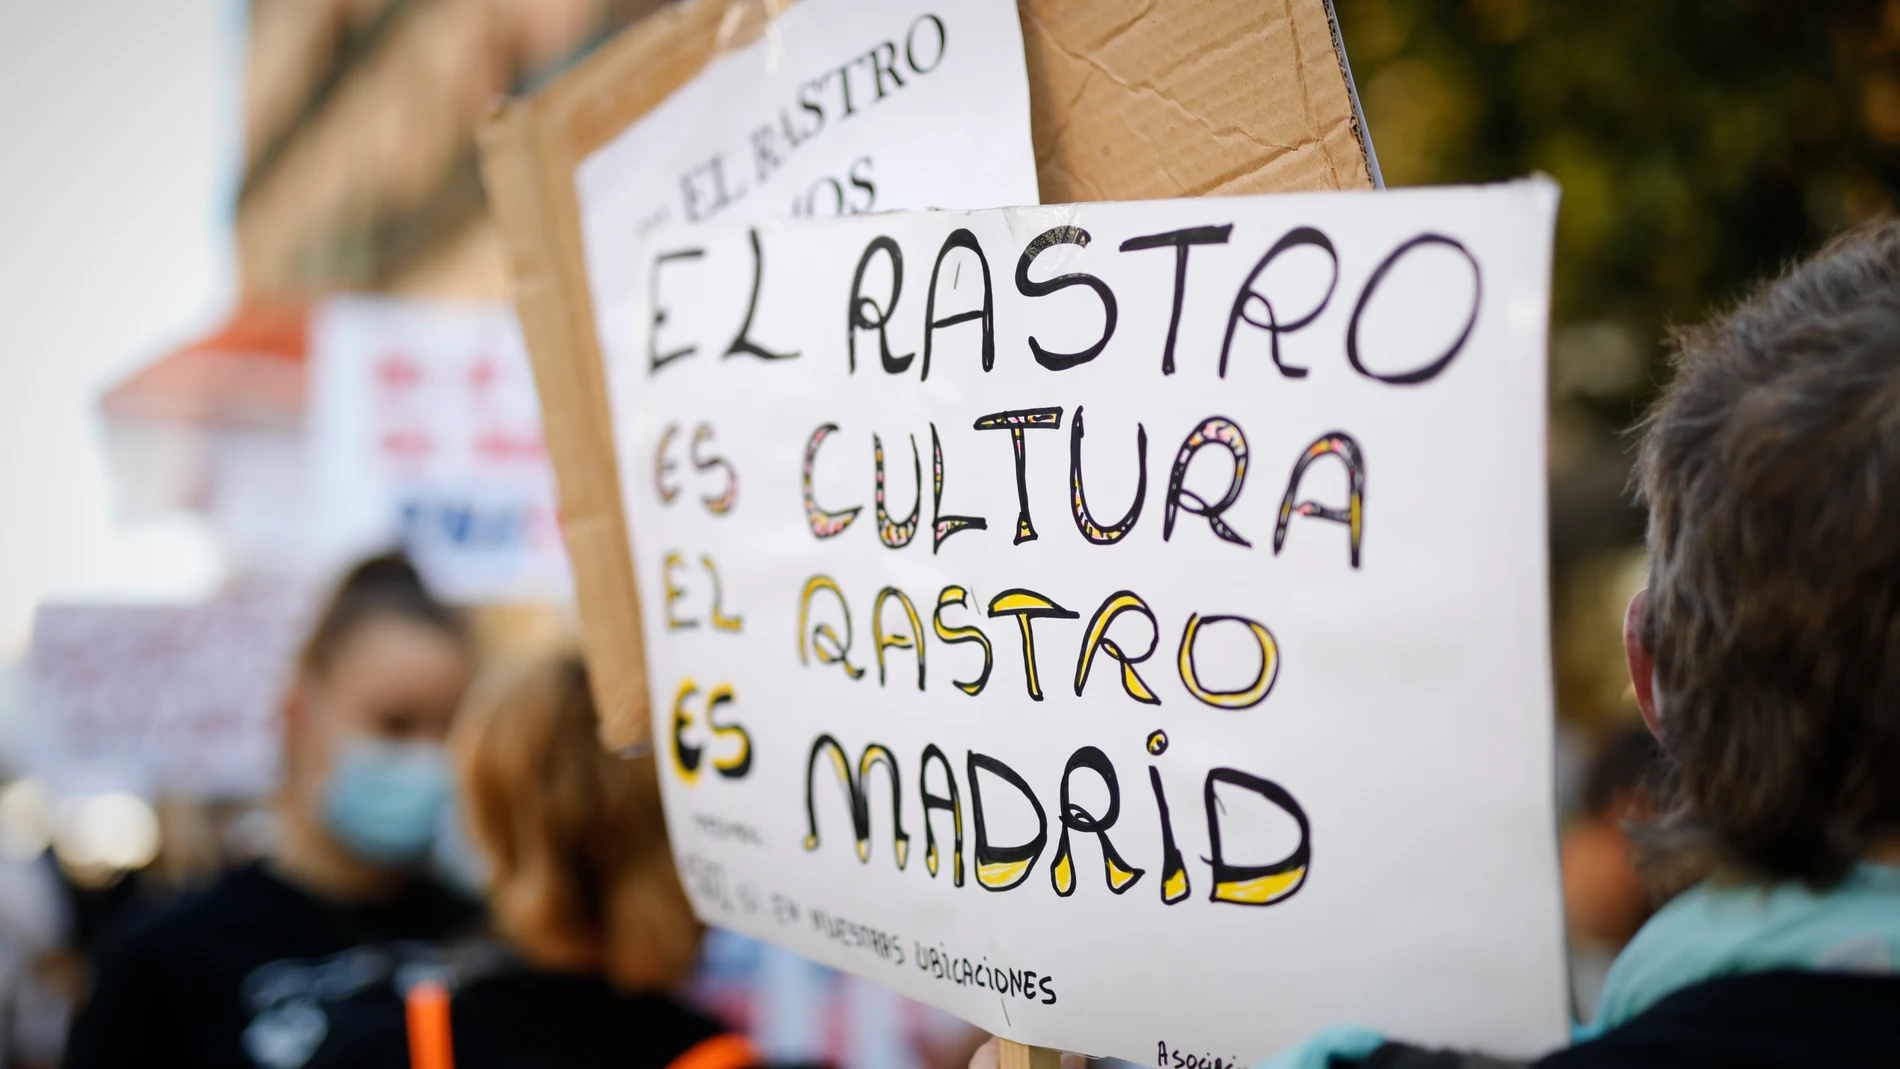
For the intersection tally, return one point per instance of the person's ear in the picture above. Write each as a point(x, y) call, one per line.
point(1642, 663)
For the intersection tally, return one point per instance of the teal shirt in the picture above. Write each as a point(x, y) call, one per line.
point(1716, 930)
point(1708, 931)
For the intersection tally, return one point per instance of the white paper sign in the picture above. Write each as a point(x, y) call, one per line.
point(1178, 741)
point(425, 431)
point(841, 107)
point(176, 700)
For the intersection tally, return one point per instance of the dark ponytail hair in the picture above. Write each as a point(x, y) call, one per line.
point(385, 585)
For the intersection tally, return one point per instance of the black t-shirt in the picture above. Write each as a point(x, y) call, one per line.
point(1770, 1020)
point(257, 972)
point(556, 1021)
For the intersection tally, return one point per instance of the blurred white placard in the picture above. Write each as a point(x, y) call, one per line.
point(160, 699)
point(1177, 742)
point(840, 107)
point(425, 432)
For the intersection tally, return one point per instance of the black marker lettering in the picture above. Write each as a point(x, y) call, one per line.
point(655, 358)
point(825, 643)
point(1341, 445)
point(951, 803)
point(1213, 431)
point(1242, 697)
point(943, 526)
point(824, 522)
point(1120, 874)
point(1181, 241)
point(956, 595)
point(910, 640)
point(857, 787)
point(864, 313)
point(1256, 885)
point(1298, 236)
point(721, 503)
point(1429, 371)
point(1048, 239)
point(1105, 534)
point(1174, 874)
point(960, 238)
point(737, 764)
point(1027, 606)
point(742, 342)
point(1095, 638)
point(663, 464)
point(897, 533)
point(1016, 423)
point(999, 868)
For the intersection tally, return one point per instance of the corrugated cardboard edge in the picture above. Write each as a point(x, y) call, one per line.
point(1352, 90)
point(1180, 98)
point(539, 220)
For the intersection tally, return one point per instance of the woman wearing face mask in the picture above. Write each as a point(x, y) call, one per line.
point(261, 969)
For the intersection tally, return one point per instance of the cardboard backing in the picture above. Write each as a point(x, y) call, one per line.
point(1129, 100)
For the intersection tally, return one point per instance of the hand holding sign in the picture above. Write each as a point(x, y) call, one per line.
point(1205, 745)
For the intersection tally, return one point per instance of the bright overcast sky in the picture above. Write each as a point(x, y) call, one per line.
point(120, 126)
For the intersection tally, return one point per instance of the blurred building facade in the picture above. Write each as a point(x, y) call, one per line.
point(360, 168)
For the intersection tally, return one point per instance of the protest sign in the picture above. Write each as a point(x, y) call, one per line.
point(425, 433)
point(1121, 104)
point(162, 699)
point(1122, 625)
point(843, 107)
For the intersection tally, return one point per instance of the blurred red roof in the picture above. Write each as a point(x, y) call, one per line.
point(248, 373)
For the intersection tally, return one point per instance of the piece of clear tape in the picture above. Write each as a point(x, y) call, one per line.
point(739, 26)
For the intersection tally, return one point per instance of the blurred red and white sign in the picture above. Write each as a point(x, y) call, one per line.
point(425, 432)
point(162, 699)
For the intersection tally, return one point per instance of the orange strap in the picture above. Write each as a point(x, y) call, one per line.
point(430, 1045)
point(729, 1051)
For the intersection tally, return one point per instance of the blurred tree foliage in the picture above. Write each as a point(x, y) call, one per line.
point(1700, 145)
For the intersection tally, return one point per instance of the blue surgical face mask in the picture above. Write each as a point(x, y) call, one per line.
point(454, 858)
point(384, 800)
